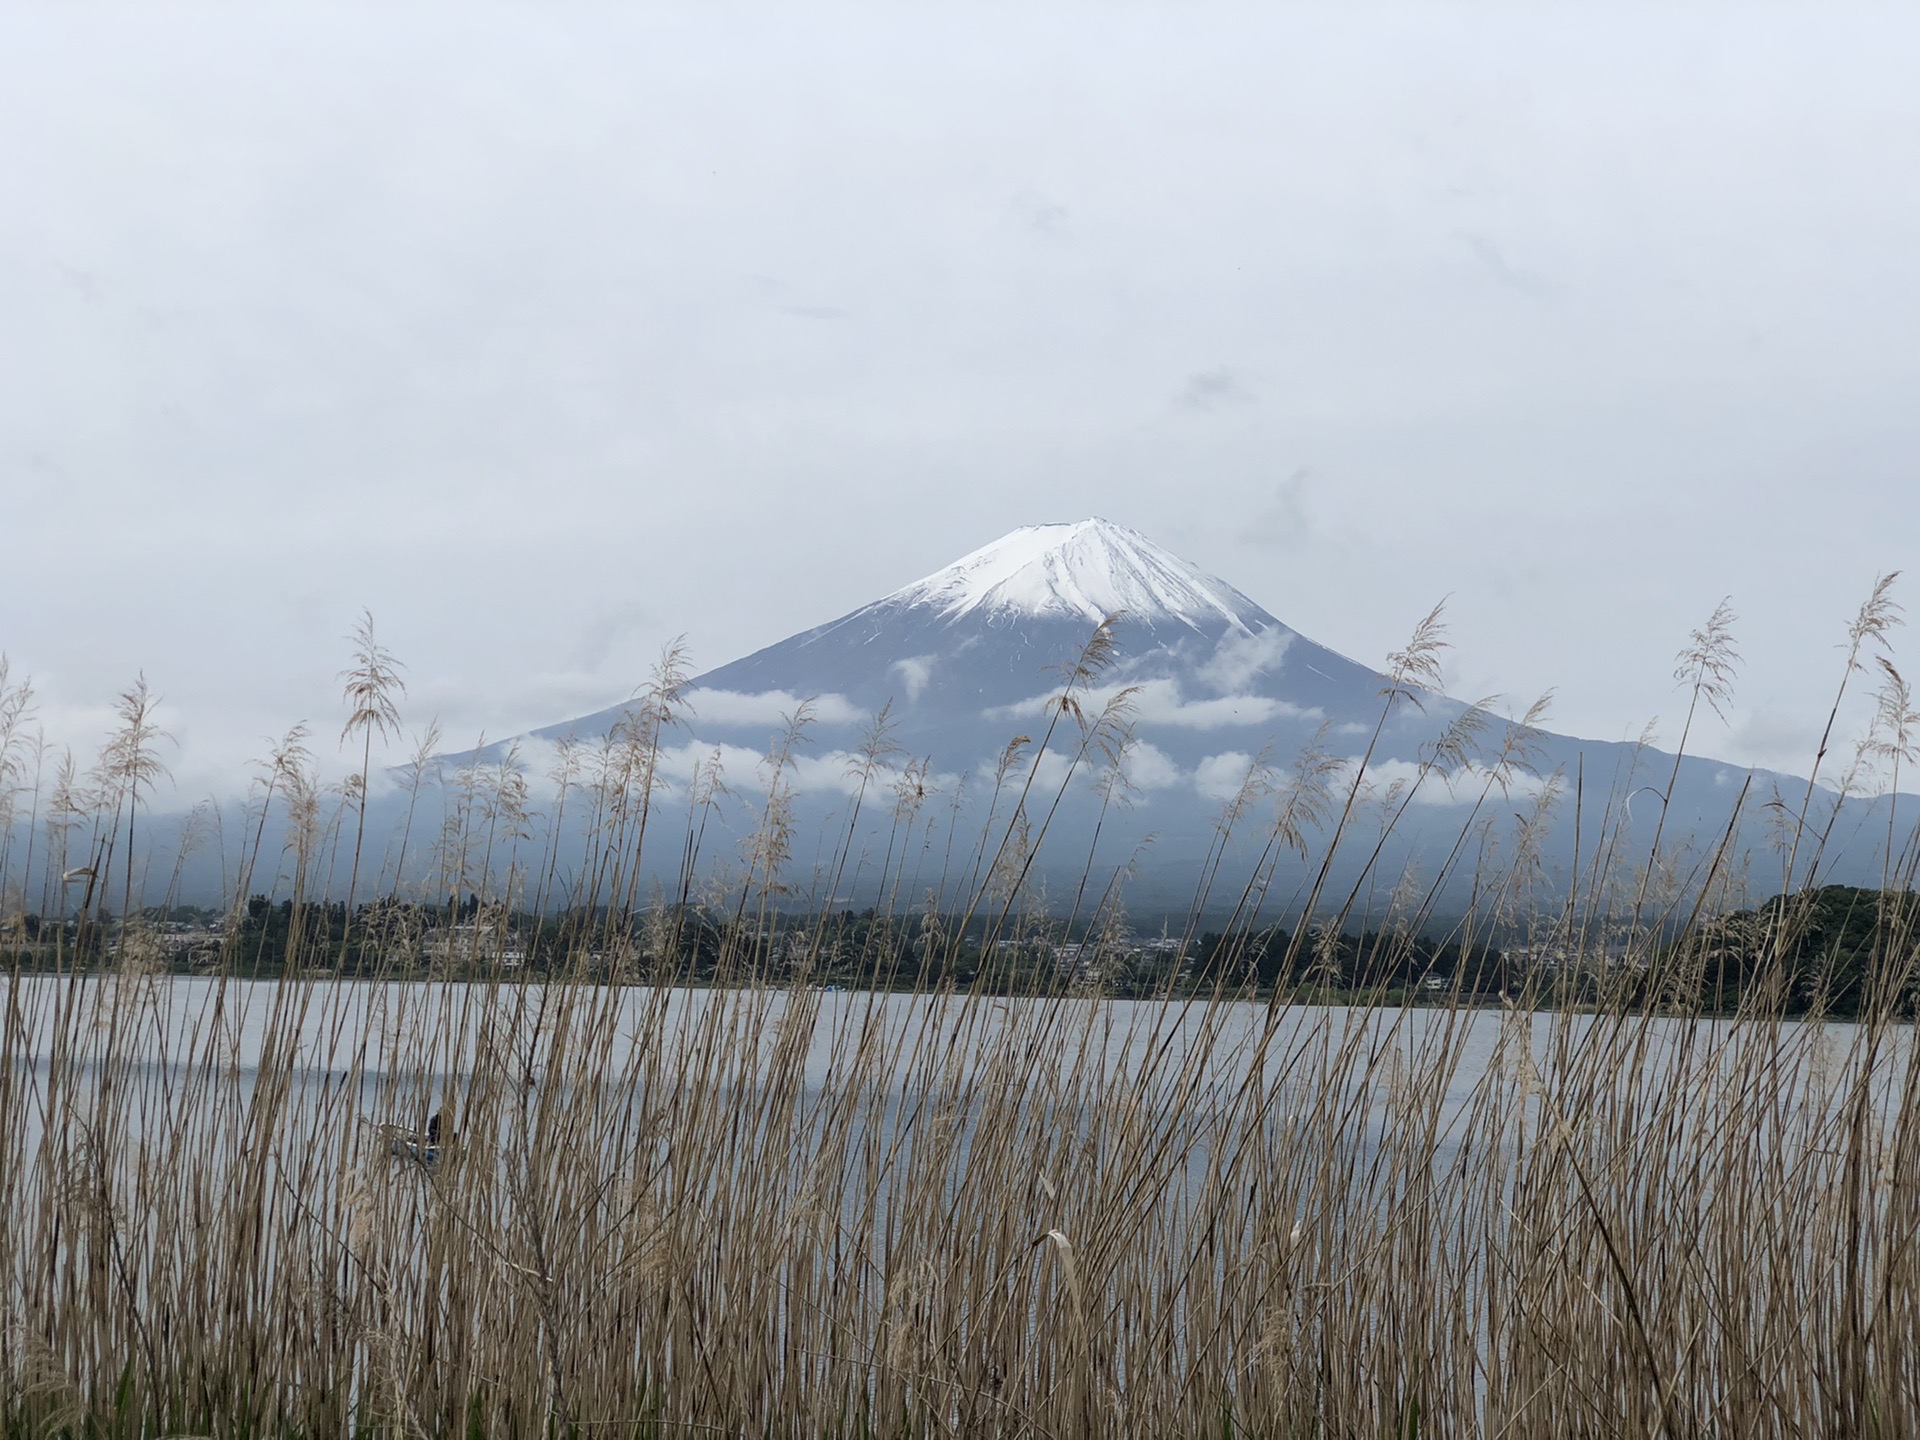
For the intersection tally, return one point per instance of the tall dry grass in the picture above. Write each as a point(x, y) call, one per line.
point(762, 1209)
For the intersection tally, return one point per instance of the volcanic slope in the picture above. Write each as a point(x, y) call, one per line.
point(971, 656)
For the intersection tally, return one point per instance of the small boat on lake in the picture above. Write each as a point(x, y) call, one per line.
point(417, 1147)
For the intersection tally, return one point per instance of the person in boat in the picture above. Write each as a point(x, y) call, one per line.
point(421, 1147)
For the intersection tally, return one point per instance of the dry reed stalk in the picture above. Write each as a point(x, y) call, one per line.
point(669, 1209)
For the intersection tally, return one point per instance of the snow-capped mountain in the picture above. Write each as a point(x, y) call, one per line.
point(964, 654)
point(1088, 569)
point(971, 656)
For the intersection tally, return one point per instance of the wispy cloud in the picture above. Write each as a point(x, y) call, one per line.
point(1040, 213)
point(1285, 521)
point(605, 626)
point(769, 707)
point(1161, 702)
point(1213, 390)
point(1240, 658)
point(914, 672)
point(1219, 777)
point(744, 769)
point(1151, 768)
point(1493, 260)
point(1453, 787)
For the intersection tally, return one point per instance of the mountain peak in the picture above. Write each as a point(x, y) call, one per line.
point(1087, 569)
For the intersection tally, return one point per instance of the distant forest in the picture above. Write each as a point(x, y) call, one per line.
point(1818, 951)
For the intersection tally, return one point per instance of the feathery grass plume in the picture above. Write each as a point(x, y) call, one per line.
point(1458, 743)
point(1871, 629)
point(66, 812)
point(1109, 930)
point(1008, 761)
point(1706, 666)
point(767, 850)
point(129, 768)
point(1304, 801)
point(1106, 734)
point(287, 759)
point(1412, 672)
point(1515, 762)
point(1255, 782)
point(1078, 675)
point(501, 804)
point(876, 751)
point(1114, 743)
point(1010, 864)
point(371, 689)
point(1893, 741)
point(639, 734)
point(911, 790)
point(1516, 909)
point(39, 1385)
point(204, 816)
point(1521, 742)
point(301, 848)
point(1303, 798)
point(1451, 754)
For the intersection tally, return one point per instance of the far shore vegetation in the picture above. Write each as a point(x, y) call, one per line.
point(1837, 930)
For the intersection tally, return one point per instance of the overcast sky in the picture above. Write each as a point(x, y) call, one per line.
point(549, 332)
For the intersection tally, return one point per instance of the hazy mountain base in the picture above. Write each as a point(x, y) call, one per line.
point(1400, 852)
point(195, 858)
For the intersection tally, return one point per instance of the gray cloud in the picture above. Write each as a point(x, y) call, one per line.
point(1284, 521)
point(302, 303)
point(1213, 389)
point(1039, 214)
point(1494, 263)
point(596, 636)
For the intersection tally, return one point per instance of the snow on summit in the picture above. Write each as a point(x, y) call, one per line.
point(1086, 569)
